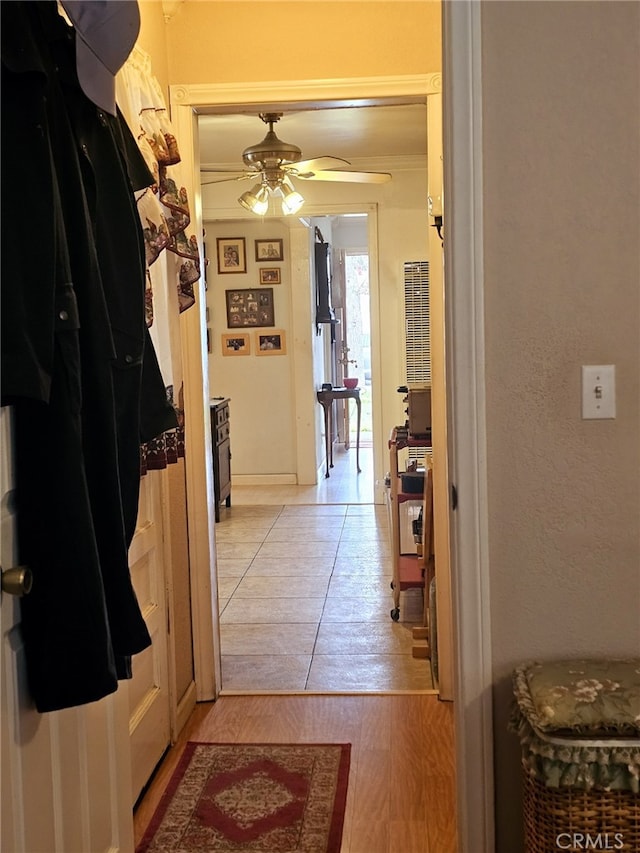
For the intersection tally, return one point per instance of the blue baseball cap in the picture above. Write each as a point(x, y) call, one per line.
point(106, 31)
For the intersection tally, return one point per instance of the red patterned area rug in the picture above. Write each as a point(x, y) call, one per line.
point(253, 798)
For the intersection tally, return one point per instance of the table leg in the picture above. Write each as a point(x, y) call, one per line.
point(330, 433)
point(326, 434)
point(358, 435)
point(346, 415)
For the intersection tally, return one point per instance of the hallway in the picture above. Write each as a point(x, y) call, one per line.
point(304, 577)
point(343, 486)
point(304, 591)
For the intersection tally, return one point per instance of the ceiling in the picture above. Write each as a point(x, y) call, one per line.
point(353, 132)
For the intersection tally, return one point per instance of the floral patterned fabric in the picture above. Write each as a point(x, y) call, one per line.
point(579, 722)
point(598, 697)
point(164, 211)
point(172, 257)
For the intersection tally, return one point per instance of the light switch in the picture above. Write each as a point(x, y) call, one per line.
point(598, 391)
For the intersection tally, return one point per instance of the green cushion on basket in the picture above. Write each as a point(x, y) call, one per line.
point(598, 698)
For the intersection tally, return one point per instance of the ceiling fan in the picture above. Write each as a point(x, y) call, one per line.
point(275, 162)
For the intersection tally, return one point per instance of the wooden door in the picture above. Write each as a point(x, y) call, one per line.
point(148, 690)
point(66, 775)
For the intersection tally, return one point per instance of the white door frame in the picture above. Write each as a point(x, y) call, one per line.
point(465, 347)
point(464, 331)
point(185, 103)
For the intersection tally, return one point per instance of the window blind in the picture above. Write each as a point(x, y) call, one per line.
point(416, 318)
point(417, 330)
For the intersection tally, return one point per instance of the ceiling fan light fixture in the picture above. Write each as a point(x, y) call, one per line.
point(274, 161)
point(292, 201)
point(255, 200)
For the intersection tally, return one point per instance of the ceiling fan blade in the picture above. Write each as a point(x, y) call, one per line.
point(242, 177)
point(347, 177)
point(237, 171)
point(316, 164)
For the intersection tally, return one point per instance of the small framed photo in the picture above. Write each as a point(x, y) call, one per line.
point(270, 275)
point(269, 250)
point(250, 307)
point(236, 344)
point(271, 343)
point(232, 256)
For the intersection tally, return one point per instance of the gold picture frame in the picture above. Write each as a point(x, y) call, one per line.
point(232, 255)
point(269, 250)
point(237, 343)
point(270, 275)
point(273, 342)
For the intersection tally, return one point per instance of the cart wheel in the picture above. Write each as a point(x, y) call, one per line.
point(395, 614)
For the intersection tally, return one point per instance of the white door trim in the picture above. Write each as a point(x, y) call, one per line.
point(464, 312)
point(198, 450)
point(199, 96)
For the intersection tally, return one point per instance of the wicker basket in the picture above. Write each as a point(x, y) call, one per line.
point(577, 721)
point(577, 820)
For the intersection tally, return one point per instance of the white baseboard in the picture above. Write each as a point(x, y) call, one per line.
point(263, 480)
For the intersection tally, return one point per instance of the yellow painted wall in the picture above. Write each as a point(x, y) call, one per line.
point(153, 40)
point(253, 41)
point(260, 389)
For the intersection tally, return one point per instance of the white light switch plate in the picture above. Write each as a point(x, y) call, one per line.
point(598, 391)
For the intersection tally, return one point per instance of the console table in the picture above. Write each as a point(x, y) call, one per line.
point(326, 398)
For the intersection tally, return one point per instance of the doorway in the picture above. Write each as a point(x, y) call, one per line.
point(297, 597)
point(352, 231)
point(186, 105)
point(347, 345)
point(464, 359)
point(351, 352)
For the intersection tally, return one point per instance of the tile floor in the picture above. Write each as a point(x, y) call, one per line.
point(304, 596)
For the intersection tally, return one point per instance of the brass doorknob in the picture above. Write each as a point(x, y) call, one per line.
point(17, 581)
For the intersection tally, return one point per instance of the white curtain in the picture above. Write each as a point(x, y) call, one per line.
point(173, 263)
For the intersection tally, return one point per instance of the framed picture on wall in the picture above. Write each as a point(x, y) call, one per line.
point(271, 343)
point(270, 275)
point(250, 307)
point(269, 250)
point(232, 257)
point(238, 343)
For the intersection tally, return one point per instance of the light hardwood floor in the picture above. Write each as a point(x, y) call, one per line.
point(401, 795)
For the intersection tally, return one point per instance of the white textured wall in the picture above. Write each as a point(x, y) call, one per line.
point(402, 235)
point(262, 405)
point(561, 91)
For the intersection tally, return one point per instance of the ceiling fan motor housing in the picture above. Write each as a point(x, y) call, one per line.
point(271, 152)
